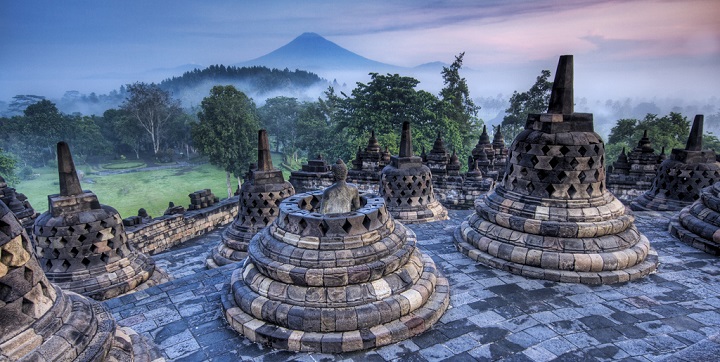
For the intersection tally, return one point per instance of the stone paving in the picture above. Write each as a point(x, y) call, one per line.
point(670, 315)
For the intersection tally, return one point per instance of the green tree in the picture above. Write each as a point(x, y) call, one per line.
point(153, 109)
point(535, 100)
point(315, 131)
point(670, 131)
point(460, 107)
point(279, 117)
point(227, 130)
point(7, 168)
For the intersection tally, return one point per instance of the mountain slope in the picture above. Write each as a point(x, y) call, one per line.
point(311, 51)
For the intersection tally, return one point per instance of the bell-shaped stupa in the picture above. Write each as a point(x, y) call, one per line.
point(260, 197)
point(407, 186)
point(18, 204)
point(698, 225)
point(552, 217)
point(680, 178)
point(82, 245)
point(41, 322)
point(312, 176)
point(334, 282)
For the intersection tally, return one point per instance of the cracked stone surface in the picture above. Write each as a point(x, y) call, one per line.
point(670, 315)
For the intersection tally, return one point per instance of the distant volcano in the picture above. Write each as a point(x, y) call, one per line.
point(311, 51)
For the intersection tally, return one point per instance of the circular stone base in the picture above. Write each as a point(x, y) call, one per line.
point(688, 237)
point(222, 255)
point(434, 211)
point(646, 203)
point(397, 330)
point(566, 276)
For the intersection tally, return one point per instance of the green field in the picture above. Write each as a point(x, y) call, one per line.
point(127, 192)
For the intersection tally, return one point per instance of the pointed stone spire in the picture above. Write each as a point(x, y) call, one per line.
point(498, 139)
point(484, 138)
point(695, 140)
point(264, 159)
point(562, 96)
point(662, 156)
point(406, 141)
point(69, 181)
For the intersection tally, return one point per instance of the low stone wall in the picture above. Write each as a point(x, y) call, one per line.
point(170, 230)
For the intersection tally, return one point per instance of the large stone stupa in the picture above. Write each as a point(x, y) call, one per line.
point(41, 322)
point(334, 282)
point(407, 186)
point(18, 204)
point(552, 216)
point(680, 178)
point(698, 225)
point(260, 197)
point(82, 245)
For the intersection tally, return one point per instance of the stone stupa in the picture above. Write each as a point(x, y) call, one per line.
point(82, 244)
point(312, 176)
point(334, 282)
point(18, 204)
point(680, 178)
point(407, 186)
point(368, 164)
point(633, 173)
point(41, 322)
point(698, 225)
point(260, 197)
point(552, 217)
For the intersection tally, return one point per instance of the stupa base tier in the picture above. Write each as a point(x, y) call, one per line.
point(434, 211)
point(688, 237)
point(410, 325)
point(595, 276)
point(647, 203)
point(118, 279)
point(223, 255)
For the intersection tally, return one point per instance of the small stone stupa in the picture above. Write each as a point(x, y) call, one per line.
point(406, 184)
point(314, 175)
point(698, 225)
point(438, 158)
point(82, 244)
point(552, 217)
point(18, 204)
point(41, 322)
point(680, 178)
point(632, 174)
point(260, 197)
point(368, 164)
point(334, 282)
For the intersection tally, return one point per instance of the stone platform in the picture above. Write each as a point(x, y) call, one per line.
point(670, 315)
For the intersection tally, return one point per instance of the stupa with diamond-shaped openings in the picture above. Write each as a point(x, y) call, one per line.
point(552, 216)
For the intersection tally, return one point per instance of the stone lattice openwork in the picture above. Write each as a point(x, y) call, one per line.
point(681, 177)
point(334, 282)
point(552, 218)
point(407, 186)
point(82, 245)
point(260, 197)
point(698, 225)
point(41, 322)
point(632, 174)
point(18, 204)
point(313, 176)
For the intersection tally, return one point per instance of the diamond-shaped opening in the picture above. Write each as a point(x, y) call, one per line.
point(271, 195)
point(93, 248)
point(561, 176)
point(110, 243)
point(597, 149)
point(528, 147)
point(572, 191)
point(564, 150)
point(591, 162)
point(597, 175)
point(62, 242)
point(546, 149)
point(582, 151)
point(27, 306)
point(28, 275)
point(48, 264)
point(574, 163)
point(542, 174)
point(66, 264)
point(286, 220)
point(523, 172)
point(514, 183)
point(324, 227)
point(590, 189)
point(302, 224)
point(534, 160)
point(366, 222)
point(74, 252)
point(554, 162)
point(550, 189)
point(56, 253)
point(253, 220)
point(85, 261)
point(531, 188)
point(44, 289)
point(71, 230)
point(88, 227)
point(582, 176)
point(254, 203)
point(266, 220)
point(265, 203)
point(104, 257)
point(271, 211)
point(82, 238)
point(347, 226)
point(120, 252)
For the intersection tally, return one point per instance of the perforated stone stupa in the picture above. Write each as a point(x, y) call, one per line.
point(632, 174)
point(406, 184)
point(552, 217)
point(18, 204)
point(368, 164)
point(82, 244)
point(681, 177)
point(260, 197)
point(698, 225)
point(41, 322)
point(314, 175)
point(334, 282)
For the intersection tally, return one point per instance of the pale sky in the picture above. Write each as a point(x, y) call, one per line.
point(644, 48)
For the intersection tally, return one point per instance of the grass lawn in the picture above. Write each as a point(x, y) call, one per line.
point(130, 191)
